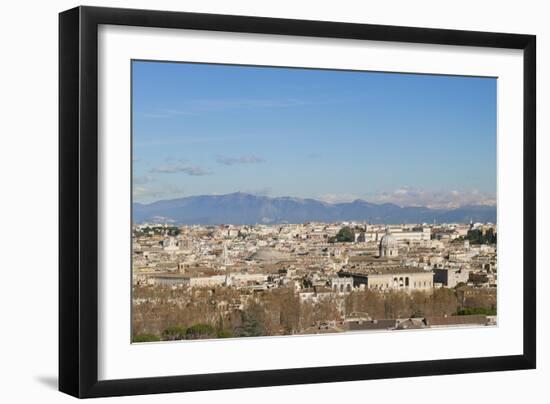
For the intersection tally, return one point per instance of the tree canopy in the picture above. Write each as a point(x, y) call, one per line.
point(200, 331)
point(251, 327)
point(476, 236)
point(345, 234)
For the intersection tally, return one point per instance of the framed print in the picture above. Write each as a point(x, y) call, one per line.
point(250, 201)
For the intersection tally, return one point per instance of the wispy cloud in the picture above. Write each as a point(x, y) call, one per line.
point(338, 198)
point(192, 170)
point(163, 140)
point(233, 103)
point(200, 106)
point(147, 194)
point(166, 112)
point(407, 196)
point(143, 179)
point(230, 161)
point(259, 192)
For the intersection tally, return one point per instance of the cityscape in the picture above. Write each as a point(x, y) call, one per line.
point(194, 282)
point(283, 201)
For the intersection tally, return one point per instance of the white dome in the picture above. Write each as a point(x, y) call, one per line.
point(388, 241)
point(388, 246)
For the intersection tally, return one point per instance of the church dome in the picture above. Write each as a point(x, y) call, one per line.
point(388, 246)
point(388, 241)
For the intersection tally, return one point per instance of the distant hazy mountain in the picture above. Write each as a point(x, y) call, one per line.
point(242, 208)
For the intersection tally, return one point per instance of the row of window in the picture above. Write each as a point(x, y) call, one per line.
point(402, 282)
point(347, 288)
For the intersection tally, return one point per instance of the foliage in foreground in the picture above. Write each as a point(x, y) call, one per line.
point(145, 338)
point(487, 311)
point(170, 315)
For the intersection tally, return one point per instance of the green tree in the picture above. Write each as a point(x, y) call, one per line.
point(251, 326)
point(345, 234)
point(221, 330)
point(490, 236)
point(173, 231)
point(476, 236)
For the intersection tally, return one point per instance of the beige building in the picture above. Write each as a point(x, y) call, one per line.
point(400, 234)
point(174, 279)
point(405, 279)
point(387, 272)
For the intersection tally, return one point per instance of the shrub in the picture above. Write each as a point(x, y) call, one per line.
point(145, 338)
point(488, 311)
point(345, 234)
point(200, 331)
point(174, 333)
point(224, 334)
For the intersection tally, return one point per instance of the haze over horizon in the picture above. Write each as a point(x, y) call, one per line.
point(241, 208)
point(333, 136)
point(487, 202)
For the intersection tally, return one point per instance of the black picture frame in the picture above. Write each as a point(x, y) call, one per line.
point(78, 201)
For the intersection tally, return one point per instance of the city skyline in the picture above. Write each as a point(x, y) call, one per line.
point(335, 136)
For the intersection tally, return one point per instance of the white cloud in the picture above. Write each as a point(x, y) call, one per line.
point(407, 196)
point(145, 194)
point(266, 191)
point(338, 198)
point(143, 179)
point(201, 106)
point(230, 161)
point(181, 168)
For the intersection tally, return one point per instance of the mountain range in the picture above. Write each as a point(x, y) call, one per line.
point(244, 208)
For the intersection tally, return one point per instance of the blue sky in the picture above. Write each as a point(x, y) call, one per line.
point(332, 135)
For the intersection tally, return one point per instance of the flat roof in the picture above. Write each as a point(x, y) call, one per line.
point(386, 271)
